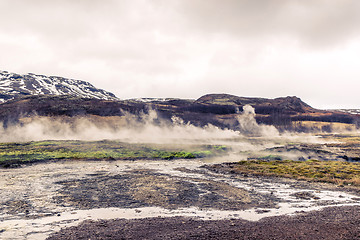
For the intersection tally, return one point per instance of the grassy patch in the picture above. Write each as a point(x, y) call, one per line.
point(97, 150)
point(341, 173)
point(271, 157)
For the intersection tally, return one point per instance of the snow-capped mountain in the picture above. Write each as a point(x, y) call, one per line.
point(150, 100)
point(14, 85)
point(351, 111)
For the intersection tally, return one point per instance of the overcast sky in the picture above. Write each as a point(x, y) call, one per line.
point(188, 48)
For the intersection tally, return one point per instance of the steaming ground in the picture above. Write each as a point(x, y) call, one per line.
point(150, 129)
point(145, 128)
point(117, 128)
point(38, 200)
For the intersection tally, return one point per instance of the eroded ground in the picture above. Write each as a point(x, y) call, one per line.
point(331, 224)
point(147, 188)
point(40, 199)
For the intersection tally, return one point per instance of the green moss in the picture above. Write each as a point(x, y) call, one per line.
point(220, 147)
point(324, 171)
point(271, 157)
point(44, 143)
point(54, 150)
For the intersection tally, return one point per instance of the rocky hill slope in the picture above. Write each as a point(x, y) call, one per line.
point(26, 96)
point(14, 86)
point(283, 113)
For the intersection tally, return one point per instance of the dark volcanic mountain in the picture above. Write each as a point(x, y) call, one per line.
point(220, 110)
point(26, 96)
point(14, 85)
point(289, 105)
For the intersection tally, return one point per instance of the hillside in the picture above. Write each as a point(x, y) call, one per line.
point(14, 86)
point(290, 105)
point(29, 95)
point(221, 110)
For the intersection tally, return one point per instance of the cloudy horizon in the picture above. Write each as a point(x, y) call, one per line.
point(185, 49)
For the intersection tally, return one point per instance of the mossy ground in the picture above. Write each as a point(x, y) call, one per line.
point(341, 173)
point(97, 150)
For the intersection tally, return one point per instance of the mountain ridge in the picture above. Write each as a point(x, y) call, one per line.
point(289, 103)
point(31, 95)
point(13, 85)
point(199, 114)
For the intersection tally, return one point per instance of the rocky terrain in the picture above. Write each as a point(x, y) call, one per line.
point(170, 199)
point(31, 94)
point(14, 86)
point(172, 168)
point(331, 224)
point(271, 112)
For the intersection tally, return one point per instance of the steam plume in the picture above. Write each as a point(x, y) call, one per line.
point(141, 128)
point(248, 125)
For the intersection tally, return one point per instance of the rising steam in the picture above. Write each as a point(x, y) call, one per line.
point(147, 128)
point(248, 125)
point(141, 128)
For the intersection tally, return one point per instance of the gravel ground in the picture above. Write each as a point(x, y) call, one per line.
point(330, 223)
point(145, 188)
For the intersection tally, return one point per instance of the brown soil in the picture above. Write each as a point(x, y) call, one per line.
point(331, 223)
point(144, 188)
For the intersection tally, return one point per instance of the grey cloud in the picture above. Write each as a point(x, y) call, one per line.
point(315, 22)
point(180, 48)
point(120, 32)
point(56, 20)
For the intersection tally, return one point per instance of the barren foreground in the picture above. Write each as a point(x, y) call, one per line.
point(196, 198)
point(331, 223)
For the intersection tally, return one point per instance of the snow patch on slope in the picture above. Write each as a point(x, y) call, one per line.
point(14, 85)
